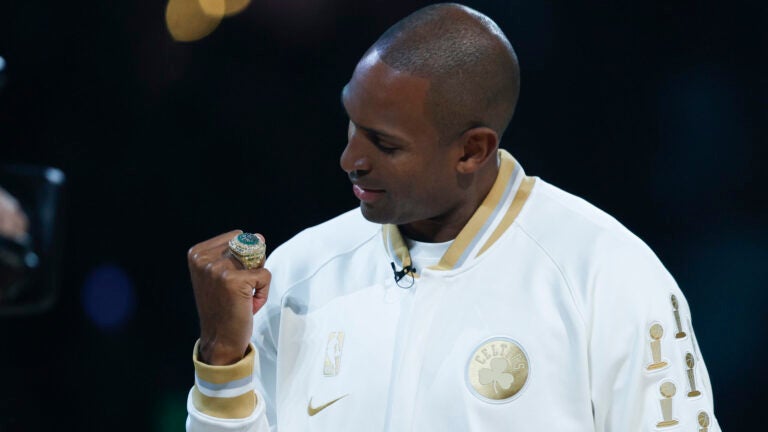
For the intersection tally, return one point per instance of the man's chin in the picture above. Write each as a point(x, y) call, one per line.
point(375, 215)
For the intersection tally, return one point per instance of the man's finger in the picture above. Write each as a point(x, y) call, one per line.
point(200, 258)
point(265, 277)
point(252, 283)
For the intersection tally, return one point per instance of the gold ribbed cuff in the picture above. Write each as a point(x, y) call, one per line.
point(220, 379)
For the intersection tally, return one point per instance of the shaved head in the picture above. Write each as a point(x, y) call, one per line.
point(471, 66)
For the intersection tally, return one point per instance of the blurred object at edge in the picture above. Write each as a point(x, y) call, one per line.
point(3, 74)
point(30, 244)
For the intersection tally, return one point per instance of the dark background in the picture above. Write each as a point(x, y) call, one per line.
point(655, 111)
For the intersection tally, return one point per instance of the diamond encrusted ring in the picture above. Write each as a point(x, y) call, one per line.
point(249, 249)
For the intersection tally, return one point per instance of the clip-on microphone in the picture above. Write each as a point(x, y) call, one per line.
point(400, 274)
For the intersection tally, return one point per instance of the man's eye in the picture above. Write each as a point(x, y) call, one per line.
point(382, 147)
point(385, 149)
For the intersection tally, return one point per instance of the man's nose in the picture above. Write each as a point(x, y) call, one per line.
point(354, 159)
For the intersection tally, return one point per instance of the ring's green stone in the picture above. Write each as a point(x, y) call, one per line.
point(248, 239)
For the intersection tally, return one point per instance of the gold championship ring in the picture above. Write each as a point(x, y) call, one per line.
point(248, 249)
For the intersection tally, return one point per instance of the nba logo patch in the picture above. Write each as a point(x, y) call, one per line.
point(333, 348)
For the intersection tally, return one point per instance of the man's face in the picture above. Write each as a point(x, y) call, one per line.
point(400, 171)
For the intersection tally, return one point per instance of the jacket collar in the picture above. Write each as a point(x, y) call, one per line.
point(494, 215)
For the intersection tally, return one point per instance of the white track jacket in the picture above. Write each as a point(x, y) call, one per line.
point(545, 314)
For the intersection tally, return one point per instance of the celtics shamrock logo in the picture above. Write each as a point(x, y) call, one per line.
point(495, 375)
point(497, 370)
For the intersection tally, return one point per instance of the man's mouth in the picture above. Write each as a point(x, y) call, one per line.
point(367, 195)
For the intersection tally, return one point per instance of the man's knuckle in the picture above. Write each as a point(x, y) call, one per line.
point(227, 276)
point(266, 276)
point(220, 268)
point(210, 268)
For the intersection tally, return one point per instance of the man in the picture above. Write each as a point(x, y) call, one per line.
point(462, 295)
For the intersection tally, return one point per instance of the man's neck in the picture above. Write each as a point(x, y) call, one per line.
point(433, 230)
point(448, 226)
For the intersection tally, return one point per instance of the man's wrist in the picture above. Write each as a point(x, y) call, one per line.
point(217, 354)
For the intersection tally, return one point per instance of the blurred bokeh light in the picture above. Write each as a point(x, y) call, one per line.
point(191, 20)
point(236, 6)
point(170, 412)
point(187, 21)
point(214, 8)
point(108, 297)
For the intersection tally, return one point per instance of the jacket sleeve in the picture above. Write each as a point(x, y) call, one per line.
point(647, 371)
point(241, 397)
point(225, 398)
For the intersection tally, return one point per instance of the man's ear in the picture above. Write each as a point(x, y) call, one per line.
point(480, 145)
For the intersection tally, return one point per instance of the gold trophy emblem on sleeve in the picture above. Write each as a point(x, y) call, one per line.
point(689, 361)
point(667, 391)
point(656, 331)
point(680, 333)
point(703, 419)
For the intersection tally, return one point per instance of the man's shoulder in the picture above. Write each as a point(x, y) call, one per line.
point(581, 240)
point(590, 248)
point(563, 222)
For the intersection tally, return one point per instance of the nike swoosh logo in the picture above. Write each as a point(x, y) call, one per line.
point(312, 411)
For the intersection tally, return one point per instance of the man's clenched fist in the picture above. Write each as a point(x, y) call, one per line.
point(227, 296)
